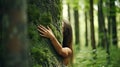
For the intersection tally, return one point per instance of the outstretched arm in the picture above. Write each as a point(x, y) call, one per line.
point(47, 32)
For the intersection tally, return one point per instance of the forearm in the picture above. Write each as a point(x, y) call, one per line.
point(58, 47)
point(56, 44)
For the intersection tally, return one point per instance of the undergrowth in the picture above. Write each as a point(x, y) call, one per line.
point(84, 57)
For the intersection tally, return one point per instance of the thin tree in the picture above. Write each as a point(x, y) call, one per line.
point(76, 21)
point(112, 27)
point(86, 29)
point(14, 43)
point(93, 44)
point(103, 37)
point(68, 5)
point(101, 25)
point(113, 21)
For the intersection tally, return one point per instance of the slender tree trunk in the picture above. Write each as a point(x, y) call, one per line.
point(112, 28)
point(76, 18)
point(69, 12)
point(86, 29)
point(47, 13)
point(103, 37)
point(101, 24)
point(92, 25)
point(14, 33)
point(113, 21)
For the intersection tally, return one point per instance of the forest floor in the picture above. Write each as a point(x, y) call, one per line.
point(84, 57)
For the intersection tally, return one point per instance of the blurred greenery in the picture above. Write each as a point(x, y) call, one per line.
point(84, 57)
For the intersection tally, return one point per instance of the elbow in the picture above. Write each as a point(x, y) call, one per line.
point(63, 53)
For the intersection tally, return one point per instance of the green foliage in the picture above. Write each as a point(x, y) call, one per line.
point(84, 58)
point(115, 57)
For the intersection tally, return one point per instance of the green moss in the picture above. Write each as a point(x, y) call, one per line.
point(57, 33)
point(48, 14)
point(45, 19)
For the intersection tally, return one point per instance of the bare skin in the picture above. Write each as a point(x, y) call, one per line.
point(65, 52)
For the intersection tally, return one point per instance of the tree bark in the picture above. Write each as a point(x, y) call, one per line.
point(46, 13)
point(14, 43)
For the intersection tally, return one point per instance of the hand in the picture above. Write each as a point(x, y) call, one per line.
point(45, 32)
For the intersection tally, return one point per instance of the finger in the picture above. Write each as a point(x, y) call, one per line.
point(43, 27)
point(43, 32)
point(49, 28)
point(40, 28)
point(42, 35)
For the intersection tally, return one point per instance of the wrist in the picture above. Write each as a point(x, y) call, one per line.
point(52, 38)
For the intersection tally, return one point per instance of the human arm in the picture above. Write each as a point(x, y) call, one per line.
point(47, 32)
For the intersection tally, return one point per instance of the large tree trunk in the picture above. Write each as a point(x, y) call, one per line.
point(13, 36)
point(93, 44)
point(47, 13)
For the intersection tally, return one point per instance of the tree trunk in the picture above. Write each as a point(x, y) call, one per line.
point(92, 25)
point(101, 25)
point(76, 18)
point(69, 12)
point(86, 29)
point(103, 37)
point(14, 52)
point(113, 21)
point(112, 28)
point(46, 13)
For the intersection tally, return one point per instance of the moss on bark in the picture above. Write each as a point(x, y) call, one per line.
point(47, 13)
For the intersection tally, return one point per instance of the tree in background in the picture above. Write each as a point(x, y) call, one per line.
point(86, 28)
point(113, 21)
point(93, 44)
point(76, 21)
point(47, 13)
point(112, 27)
point(101, 25)
point(103, 37)
point(69, 14)
point(14, 43)
point(86, 12)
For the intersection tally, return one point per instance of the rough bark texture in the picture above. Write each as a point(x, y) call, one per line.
point(47, 13)
point(13, 45)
